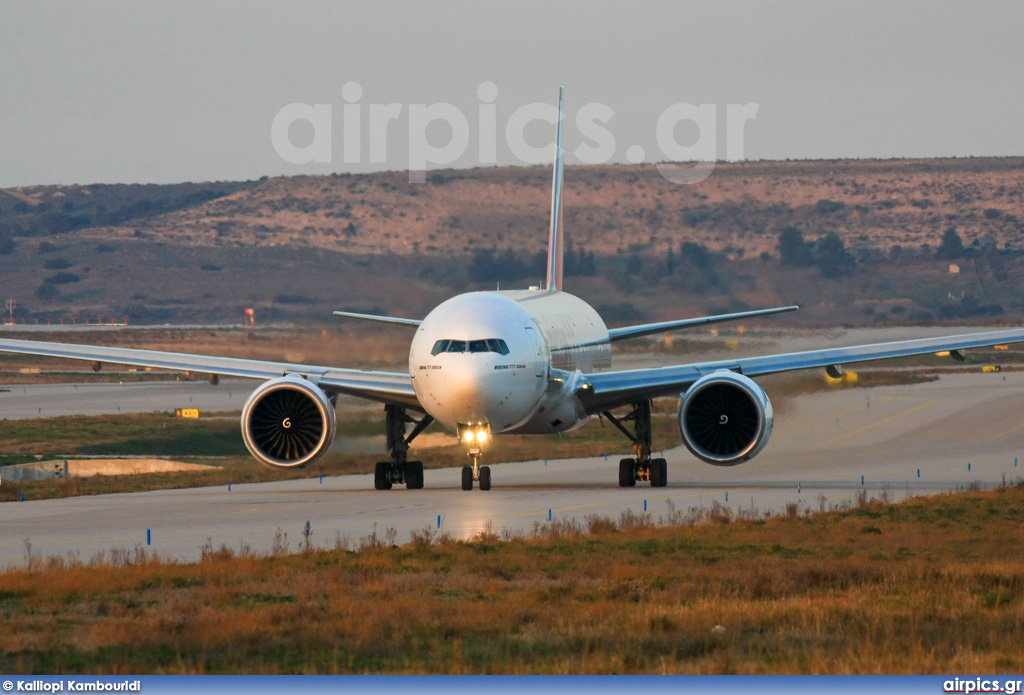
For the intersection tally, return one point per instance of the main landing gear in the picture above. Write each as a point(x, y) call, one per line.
point(398, 469)
point(643, 467)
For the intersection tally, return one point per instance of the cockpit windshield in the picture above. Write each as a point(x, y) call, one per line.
point(482, 345)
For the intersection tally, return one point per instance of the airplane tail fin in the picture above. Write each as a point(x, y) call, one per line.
point(555, 238)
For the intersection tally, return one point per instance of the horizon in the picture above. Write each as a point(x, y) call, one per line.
point(490, 167)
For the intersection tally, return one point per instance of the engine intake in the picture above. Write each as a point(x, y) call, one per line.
point(288, 423)
point(725, 418)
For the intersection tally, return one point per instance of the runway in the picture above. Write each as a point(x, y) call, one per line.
point(958, 430)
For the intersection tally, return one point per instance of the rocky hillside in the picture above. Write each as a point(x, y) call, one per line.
point(297, 246)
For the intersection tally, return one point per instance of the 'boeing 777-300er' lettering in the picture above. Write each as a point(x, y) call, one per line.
point(525, 362)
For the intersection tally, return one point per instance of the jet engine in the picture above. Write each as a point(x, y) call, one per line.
point(725, 418)
point(288, 422)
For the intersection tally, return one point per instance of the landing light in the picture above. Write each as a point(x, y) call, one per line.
point(474, 434)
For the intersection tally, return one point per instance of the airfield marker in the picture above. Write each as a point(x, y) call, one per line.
point(40, 411)
point(439, 521)
point(918, 472)
point(645, 505)
point(545, 460)
point(798, 488)
point(23, 496)
point(968, 465)
point(149, 536)
point(321, 478)
point(229, 486)
point(862, 480)
point(549, 515)
point(726, 495)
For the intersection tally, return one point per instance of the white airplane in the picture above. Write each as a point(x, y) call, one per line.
point(533, 361)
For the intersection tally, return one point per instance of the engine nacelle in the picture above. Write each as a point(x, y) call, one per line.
point(288, 423)
point(725, 418)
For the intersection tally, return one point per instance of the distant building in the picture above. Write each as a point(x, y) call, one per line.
point(954, 269)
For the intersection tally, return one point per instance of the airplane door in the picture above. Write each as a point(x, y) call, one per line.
point(540, 352)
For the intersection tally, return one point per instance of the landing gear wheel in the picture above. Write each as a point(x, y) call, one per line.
point(382, 476)
point(643, 467)
point(627, 478)
point(659, 472)
point(413, 475)
point(399, 469)
point(485, 477)
point(467, 477)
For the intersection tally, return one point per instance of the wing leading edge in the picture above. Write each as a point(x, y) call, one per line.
point(379, 319)
point(613, 389)
point(615, 334)
point(386, 387)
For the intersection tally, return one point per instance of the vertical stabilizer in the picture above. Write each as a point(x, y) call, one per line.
point(556, 239)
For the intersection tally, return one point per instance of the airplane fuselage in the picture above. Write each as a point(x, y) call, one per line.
point(507, 360)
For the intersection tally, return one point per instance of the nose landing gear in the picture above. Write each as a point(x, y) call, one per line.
point(476, 472)
point(643, 467)
point(475, 436)
point(400, 470)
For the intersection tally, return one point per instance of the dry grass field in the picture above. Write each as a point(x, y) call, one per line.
point(926, 586)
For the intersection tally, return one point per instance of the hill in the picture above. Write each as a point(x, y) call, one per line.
point(640, 245)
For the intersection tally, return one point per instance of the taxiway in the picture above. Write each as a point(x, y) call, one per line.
point(962, 429)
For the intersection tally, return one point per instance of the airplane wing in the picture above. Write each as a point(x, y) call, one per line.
point(386, 387)
point(606, 390)
point(649, 328)
point(378, 319)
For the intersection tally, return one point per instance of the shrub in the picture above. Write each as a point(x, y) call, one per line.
point(62, 279)
point(826, 205)
point(57, 263)
point(47, 292)
point(694, 216)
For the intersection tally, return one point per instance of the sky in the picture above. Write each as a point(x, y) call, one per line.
point(160, 92)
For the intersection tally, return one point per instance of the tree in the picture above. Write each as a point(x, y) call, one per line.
point(832, 257)
point(483, 268)
point(700, 263)
point(793, 250)
point(952, 245)
point(634, 266)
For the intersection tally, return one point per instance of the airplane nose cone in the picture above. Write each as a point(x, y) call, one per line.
point(471, 389)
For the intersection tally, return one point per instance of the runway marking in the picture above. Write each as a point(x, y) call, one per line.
point(884, 421)
point(1004, 433)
